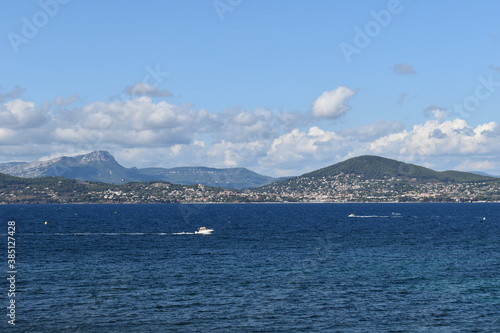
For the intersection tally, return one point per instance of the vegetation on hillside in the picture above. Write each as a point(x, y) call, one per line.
point(362, 179)
point(376, 167)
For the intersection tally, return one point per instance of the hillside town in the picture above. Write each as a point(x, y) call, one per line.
point(338, 188)
point(355, 188)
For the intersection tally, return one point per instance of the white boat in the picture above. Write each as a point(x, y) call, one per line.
point(204, 231)
point(352, 215)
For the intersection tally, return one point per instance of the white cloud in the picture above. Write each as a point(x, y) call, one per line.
point(439, 114)
point(140, 132)
point(231, 154)
point(8, 136)
point(331, 104)
point(20, 114)
point(176, 149)
point(372, 131)
point(480, 165)
point(146, 89)
point(299, 151)
point(199, 143)
point(137, 122)
point(242, 126)
point(442, 145)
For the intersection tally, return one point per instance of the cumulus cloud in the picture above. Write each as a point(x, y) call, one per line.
point(141, 132)
point(243, 126)
point(332, 104)
point(18, 114)
point(219, 139)
point(435, 143)
point(403, 69)
point(434, 111)
point(372, 131)
point(146, 89)
point(438, 139)
point(139, 122)
point(15, 93)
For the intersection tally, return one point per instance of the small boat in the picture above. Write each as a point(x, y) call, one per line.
point(352, 215)
point(204, 231)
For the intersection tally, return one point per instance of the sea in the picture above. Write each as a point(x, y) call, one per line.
point(389, 267)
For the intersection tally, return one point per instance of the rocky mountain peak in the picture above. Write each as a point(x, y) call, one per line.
point(98, 156)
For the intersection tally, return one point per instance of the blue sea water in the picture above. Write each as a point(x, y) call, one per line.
point(266, 268)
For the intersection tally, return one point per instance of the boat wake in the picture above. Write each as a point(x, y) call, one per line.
point(110, 233)
point(123, 233)
point(366, 216)
point(375, 216)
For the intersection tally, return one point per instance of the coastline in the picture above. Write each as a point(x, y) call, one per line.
point(245, 203)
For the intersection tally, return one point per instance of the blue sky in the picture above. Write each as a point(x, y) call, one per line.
point(280, 87)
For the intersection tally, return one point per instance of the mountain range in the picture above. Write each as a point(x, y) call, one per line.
point(101, 166)
point(99, 178)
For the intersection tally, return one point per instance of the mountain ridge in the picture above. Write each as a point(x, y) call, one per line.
point(101, 166)
point(361, 179)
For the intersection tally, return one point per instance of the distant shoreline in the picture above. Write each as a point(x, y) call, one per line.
point(238, 203)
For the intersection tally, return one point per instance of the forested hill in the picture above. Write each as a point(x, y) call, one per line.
point(376, 167)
